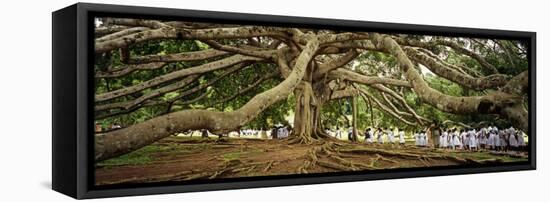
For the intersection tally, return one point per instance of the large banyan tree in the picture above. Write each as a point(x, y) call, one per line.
point(220, 77)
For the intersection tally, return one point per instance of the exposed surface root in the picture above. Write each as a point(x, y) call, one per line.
point(189, 160)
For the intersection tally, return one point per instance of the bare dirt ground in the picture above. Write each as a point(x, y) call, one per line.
point(184, 158)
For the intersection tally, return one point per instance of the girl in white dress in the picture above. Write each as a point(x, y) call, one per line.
point(482, 138)
point(491, 140)
point(444, 137)
point(380, 136)
point(370, 136)
point(451, 140)
point(390, 136)
point(401, 137)
point(441, 140)
point(456, 140)
point(464, 139)
point(496, 140)
point(472, 142)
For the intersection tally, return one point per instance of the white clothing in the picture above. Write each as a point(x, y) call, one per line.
point(491, 139)
point(390, 136)
point(482, 137)
point(402, 137)
point(423, 141)
point(370, 138)
point(381, 137)
point(456, 141)
point(444, 139)
point(472, 141)
point(503, 142)
point(463, 138)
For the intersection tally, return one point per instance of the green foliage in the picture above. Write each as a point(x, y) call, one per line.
point(507, 56)
point(225, 87)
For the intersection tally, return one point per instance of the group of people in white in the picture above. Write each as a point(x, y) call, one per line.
point(384, 135)
point(486, 138)
point(490, 138)
point(277, 132)
point(379, 135)
point(421, 139)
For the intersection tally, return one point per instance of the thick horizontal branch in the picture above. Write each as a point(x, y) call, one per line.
point(148, 103)
point(208, 67)
point(452, 45)
point(336, 63)
point(154, 93)
point(367, 80)
point(326, 39)
point(518, 85)
point(199, 34)
point(462, 69)
point(104, 30)
point(154, 24)
point(180, 57)
point(493, 81)
point(132, 105)
point(346, 92)
point(121, 33)
point(266, 54)
point(198, 25)
point(127, 69)
point(178, 100)
point(248, 88)
point(358, 44)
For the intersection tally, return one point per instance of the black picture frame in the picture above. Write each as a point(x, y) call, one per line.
point(72, 98)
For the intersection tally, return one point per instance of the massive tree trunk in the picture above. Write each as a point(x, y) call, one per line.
point(304, 113)
point(308, 125)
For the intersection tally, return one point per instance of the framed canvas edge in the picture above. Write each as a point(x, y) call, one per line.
point(85, 87)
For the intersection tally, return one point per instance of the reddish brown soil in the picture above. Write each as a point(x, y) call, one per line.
point(190, 159)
